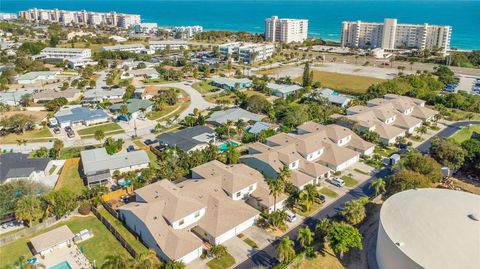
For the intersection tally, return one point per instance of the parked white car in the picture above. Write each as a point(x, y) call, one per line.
point(337, 182)
point(291, 217)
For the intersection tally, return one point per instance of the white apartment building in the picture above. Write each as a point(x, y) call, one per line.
point(64, 53)
point(81, 17)
point(188, 31)
point(247, 52)
point(144, 27)
point(392, 35)
point(286, 30)
point(135, 48)
point(172, 44)
point(8, 16)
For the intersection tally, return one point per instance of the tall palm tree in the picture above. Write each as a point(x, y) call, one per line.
point(99, 135)
point(379, 186)
point(276, 187)
point(175, 265)
point(307, 196)
point(116, 262)
point(285, 174)
point(146, 260)
point(229, 125)
point(285, 250)
point(305, 237)
point(240, 125)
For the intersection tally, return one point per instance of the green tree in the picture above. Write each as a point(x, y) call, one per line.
point(472, 149)
point(61, 202)
point(308, 196)
point(129, 91)
point(447, 153)
point(307, 76)
point(322, 228)
point(232, 154)
point(342, 237)
point(405, 180)
point(57, 148)
point(99, 135)
point(277, 187)
point(285, 174)
point(354, 211)
point(22, 263)
point(175, 265)
point(422, 164)
point(285, 251)
point(305, 237)
point(93, 195)
point(29, 209)
point(379, 186)
point(146, 260)
point(117, 262)
point(218, 251)
point(18, 122)
point(124, 109)
point(113, 146)
point(26, 100)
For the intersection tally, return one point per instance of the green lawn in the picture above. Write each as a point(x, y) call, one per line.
point(131, 239)
point(157, 81)
point(52, 170)
point(107, 128)
point(224, 262)
point(153, 159)
point(385, 152)
point(40, 135)
point(313, 208)
point(328, 192)
point(70, 177)
point(349, 181)
point(361, 171)
point(203, 86)
point(69, 153)
point(323, 260)
point(155, 115)
point(465, 133)
point(103, 243)
point(350, 84)
point(250, 242)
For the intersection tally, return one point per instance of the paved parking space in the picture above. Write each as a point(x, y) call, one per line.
point(239, 249)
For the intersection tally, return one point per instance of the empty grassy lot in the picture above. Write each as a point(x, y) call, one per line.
point(344, 83)
point(107, 128)
point(203, 86)
point(70, 177)
point(40, 135)
point(465, 133)
point(328, 192)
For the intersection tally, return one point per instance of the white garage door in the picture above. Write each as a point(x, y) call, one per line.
point(233, 232)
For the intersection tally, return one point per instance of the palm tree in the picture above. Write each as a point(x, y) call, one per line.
point(175, 265)
point(146, 260)
point(378, 185)
point(99, 135)
point(232, 154)
point(305, 237)
point(285, 250)
point(285, 174)
point(240, 125)
point(307, 196)
point(116, 262)
point(276, 187)
point(229, 125)
point(218, 251)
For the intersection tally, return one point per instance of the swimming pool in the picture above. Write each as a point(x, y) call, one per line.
point(224, 147)
point(62, 265)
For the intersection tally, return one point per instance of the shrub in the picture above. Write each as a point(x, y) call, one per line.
point(84, 209)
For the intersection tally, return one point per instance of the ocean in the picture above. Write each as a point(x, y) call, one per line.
point(325, 16)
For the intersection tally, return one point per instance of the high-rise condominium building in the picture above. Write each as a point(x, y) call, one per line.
point(81, 17)
point(392, 35)
point(247, 52)
point(286, 30)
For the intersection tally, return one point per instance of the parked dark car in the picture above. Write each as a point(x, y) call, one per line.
point(130, 148)
point(149, 142)
point(320, 197)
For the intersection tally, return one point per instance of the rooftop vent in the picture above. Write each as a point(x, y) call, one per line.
point(399, 244)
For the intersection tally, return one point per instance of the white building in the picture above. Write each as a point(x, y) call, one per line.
point(429, 228)
point(8, 16)
point(247, 52)
point(64, 53)
point(188, 31)
point(32, 77)
point(144, 27)
point(172, 44)
point(286, 30)
point(79, 62)
point(392, 35)
point(81, 17)
point(117, 38)
point(135, 48)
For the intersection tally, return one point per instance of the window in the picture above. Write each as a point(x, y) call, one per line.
point(197, 214)
point(181, 222)
point(238, 194)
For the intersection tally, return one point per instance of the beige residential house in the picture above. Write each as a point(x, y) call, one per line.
point(176, 219)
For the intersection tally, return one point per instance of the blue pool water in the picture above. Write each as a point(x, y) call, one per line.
point(63, 265)
point(325, 16)
point(224, 147)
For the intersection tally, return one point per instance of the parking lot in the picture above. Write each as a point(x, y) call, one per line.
point(467, 84)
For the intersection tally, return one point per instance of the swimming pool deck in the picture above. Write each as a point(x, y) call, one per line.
point(72, 255)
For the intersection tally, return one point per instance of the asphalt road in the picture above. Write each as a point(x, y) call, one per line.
point(267, 256)
point(447, 132)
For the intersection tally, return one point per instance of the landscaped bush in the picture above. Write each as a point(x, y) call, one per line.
point(84, 209)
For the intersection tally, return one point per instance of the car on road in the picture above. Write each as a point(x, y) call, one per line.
point(320, 197)
point(149, 142)
point(291, 217)
point(337, 182)
point(130, 148)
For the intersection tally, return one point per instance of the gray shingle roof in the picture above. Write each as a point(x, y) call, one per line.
point(188, 138)
point(234, 114)
point(15, 165)
point(80, 114)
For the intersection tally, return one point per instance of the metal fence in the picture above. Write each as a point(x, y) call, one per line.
point(28, 231)
point(115, 233)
